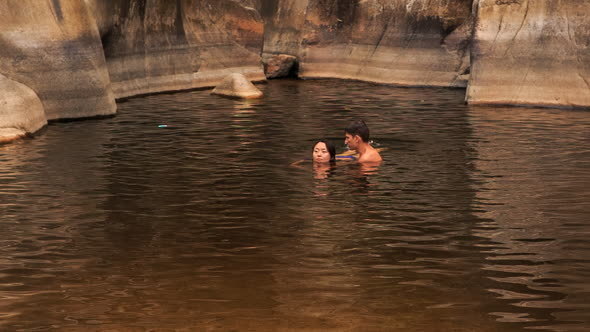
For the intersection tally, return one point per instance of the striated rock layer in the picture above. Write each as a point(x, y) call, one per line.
point(531, 52)
point(53, 48)
point(163, 45)
point(21, 111)
point(410, 43)
point(77, 56)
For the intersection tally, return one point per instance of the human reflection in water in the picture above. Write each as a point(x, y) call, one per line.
point(322, 170)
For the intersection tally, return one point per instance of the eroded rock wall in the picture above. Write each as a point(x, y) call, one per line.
point(77, 56)
point(21, 110)
point(410, 43)
point(531, 52)
point(53, 48)
point(163, 45)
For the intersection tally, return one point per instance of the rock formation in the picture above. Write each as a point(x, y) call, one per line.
point(78, 56)
point(279, 65)
point(21, 111)
point(531, 52)
point(395, 41)
point(53, 47)
point(163, 45)
point(237, 86)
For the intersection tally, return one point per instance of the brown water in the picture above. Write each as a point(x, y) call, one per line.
point(477, 221)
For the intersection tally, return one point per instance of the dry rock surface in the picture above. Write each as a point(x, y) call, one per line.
point(21, 111)
point(77, 57)
point(531, 52)
point(54, 48)
point(237, 86)
point(279, 65)
point(163, 45)
point(410, 43)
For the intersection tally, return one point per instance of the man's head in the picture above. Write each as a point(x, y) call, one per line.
point(356, 133)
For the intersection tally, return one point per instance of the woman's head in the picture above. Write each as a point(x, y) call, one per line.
point(323, 152)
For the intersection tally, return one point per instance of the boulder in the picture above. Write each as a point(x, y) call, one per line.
point(279, 65)
point(531, 52)
point(21, 111)
point(237, 86)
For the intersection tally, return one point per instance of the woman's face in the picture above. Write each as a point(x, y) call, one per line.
point(321, 153)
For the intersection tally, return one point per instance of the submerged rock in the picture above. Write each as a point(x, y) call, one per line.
point(237, 86)
point(21, 111)
point(279, 65)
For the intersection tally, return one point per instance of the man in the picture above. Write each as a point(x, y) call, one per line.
point(357, 138)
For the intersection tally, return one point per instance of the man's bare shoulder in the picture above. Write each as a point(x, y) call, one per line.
point(370, 156)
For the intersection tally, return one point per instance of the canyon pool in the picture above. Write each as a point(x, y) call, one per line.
point(183, 213)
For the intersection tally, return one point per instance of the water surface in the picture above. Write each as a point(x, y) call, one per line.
point(478, 220)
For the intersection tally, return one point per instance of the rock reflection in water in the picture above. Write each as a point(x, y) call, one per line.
point(475, 221)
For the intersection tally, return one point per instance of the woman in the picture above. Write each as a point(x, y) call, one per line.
point(323, 152)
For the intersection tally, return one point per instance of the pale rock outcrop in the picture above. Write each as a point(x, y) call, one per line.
point(531, 52)
point(279, 65)
point(53, 47)
point(237, 86)
point(21, 111)
point(385, 41)
point(162, 45)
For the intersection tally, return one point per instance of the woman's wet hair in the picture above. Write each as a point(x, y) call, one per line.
point(331, 148)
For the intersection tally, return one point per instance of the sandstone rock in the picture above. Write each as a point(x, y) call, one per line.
point(461, 81)
point(279, 65)
point(21, 111)
point(237, 86)
point(283, 26)
point(392, 41)
point(162, 45)
point(54, 48)
point(531, 52)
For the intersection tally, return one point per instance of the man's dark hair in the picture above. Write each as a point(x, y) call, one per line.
point(331, 148)
point(358, 127)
